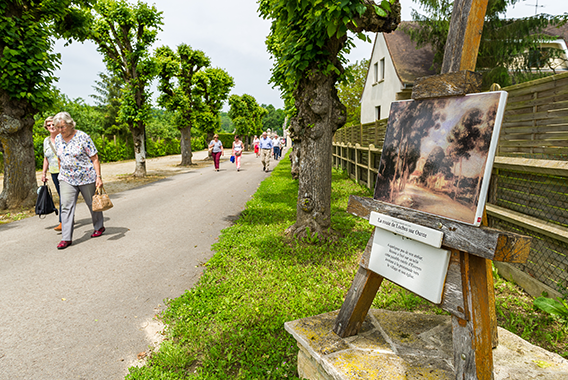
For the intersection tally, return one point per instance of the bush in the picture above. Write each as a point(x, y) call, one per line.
point(198, 143)
point(38, 151)
point(162, 147)
point(109, 151)
point(227, 139)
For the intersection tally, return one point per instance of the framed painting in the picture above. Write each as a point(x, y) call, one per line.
point(438, 154)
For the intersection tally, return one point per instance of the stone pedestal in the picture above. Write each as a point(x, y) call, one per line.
point(402, 345)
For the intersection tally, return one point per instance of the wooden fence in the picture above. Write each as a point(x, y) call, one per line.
point(529, 184)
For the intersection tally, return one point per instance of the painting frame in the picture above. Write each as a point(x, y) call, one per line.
point(438, 154)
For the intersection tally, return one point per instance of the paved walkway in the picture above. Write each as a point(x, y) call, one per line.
point(86, 312)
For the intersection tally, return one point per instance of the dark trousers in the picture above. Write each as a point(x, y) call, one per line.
point(216, 158)
point(276, 152)
point(55, 179)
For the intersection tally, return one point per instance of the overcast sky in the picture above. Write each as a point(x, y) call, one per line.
point(232, 34)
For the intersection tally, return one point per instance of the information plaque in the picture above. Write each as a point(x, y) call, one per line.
point(415, 266)
point(410, 230)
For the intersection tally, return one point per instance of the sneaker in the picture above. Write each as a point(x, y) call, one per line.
point(58, 228)
point(98, 233)
point(64, 244)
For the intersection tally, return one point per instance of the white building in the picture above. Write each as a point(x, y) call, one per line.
point(396, 63)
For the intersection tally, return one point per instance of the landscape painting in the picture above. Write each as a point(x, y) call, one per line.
point(438, 154)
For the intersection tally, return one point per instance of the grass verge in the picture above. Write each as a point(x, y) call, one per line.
point(230, 325)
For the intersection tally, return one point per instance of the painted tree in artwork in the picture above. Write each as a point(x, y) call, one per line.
point(409, 123)
point(177, 71)
point(463, 138)
point(27, 33)
point(308, 41)
point(124, 34)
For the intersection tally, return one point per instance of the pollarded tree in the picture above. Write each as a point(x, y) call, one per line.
point(27, 32)
point(246, 114)
point(176, 71)
point(212, 87)
point(308, 41)
point(124, 34)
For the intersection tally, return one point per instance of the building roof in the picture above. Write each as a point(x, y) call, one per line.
point(410, 63)
point(560, 32)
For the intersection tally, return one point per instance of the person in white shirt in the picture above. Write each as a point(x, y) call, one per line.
point(276, 146)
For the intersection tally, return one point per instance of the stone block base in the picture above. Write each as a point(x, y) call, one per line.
point(401, 345)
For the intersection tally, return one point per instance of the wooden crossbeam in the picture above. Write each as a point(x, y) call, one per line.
point(481, 241)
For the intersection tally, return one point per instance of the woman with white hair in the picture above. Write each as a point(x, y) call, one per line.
point(80, 171)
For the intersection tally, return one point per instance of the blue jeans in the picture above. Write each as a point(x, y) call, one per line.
point(55, 179)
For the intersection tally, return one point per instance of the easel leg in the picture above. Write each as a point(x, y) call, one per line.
point(473, 355)
point(357, 302)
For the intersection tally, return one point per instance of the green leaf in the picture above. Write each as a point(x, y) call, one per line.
point(380, 12)
point(385, 4)
point(331, 29)
point(551, 306)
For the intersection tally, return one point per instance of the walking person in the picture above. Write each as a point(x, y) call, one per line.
point(238, 151)
point(256, 143)
point(276, 147)
point(80, 171)
point(265, 146)
point(216, 148)
point(50, 161)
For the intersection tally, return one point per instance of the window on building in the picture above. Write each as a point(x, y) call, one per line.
point(382, 69)
point(378, 113)
point(376, 72)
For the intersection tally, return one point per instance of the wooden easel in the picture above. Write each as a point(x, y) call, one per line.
point(468, 291)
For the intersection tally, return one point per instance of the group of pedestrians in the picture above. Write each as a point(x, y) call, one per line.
point(71, 158)
point(264, 147)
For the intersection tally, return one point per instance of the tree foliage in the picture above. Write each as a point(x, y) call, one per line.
point(246, 114)
point(212, 86)
point(27, 63)
point(124, 34)
point(506, 44)
point(107, 99)
point(351, 89)
point(274, 119)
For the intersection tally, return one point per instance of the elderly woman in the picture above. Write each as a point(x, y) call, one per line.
point(80, 172)
point(50, 162)
point(216, 148)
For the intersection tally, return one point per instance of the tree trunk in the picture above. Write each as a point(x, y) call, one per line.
point(295, 160)
point(320, 114)
point(16, 136)
point(185, 143)
point(138, 137)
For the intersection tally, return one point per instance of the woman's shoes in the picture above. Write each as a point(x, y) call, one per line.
point(98, 232)
point(64, 244)
point(58, 228)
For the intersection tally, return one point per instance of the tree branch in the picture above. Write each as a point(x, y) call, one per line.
point(370, 21)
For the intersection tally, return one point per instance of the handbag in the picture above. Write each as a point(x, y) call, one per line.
point(232, 159)
point(101, 201)
point(44, 204)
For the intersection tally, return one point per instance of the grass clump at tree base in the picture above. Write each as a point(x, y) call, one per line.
point(231, 324)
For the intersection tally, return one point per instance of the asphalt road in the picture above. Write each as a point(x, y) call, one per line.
point(87, 311)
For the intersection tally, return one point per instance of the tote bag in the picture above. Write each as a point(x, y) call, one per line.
point(44, 203)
